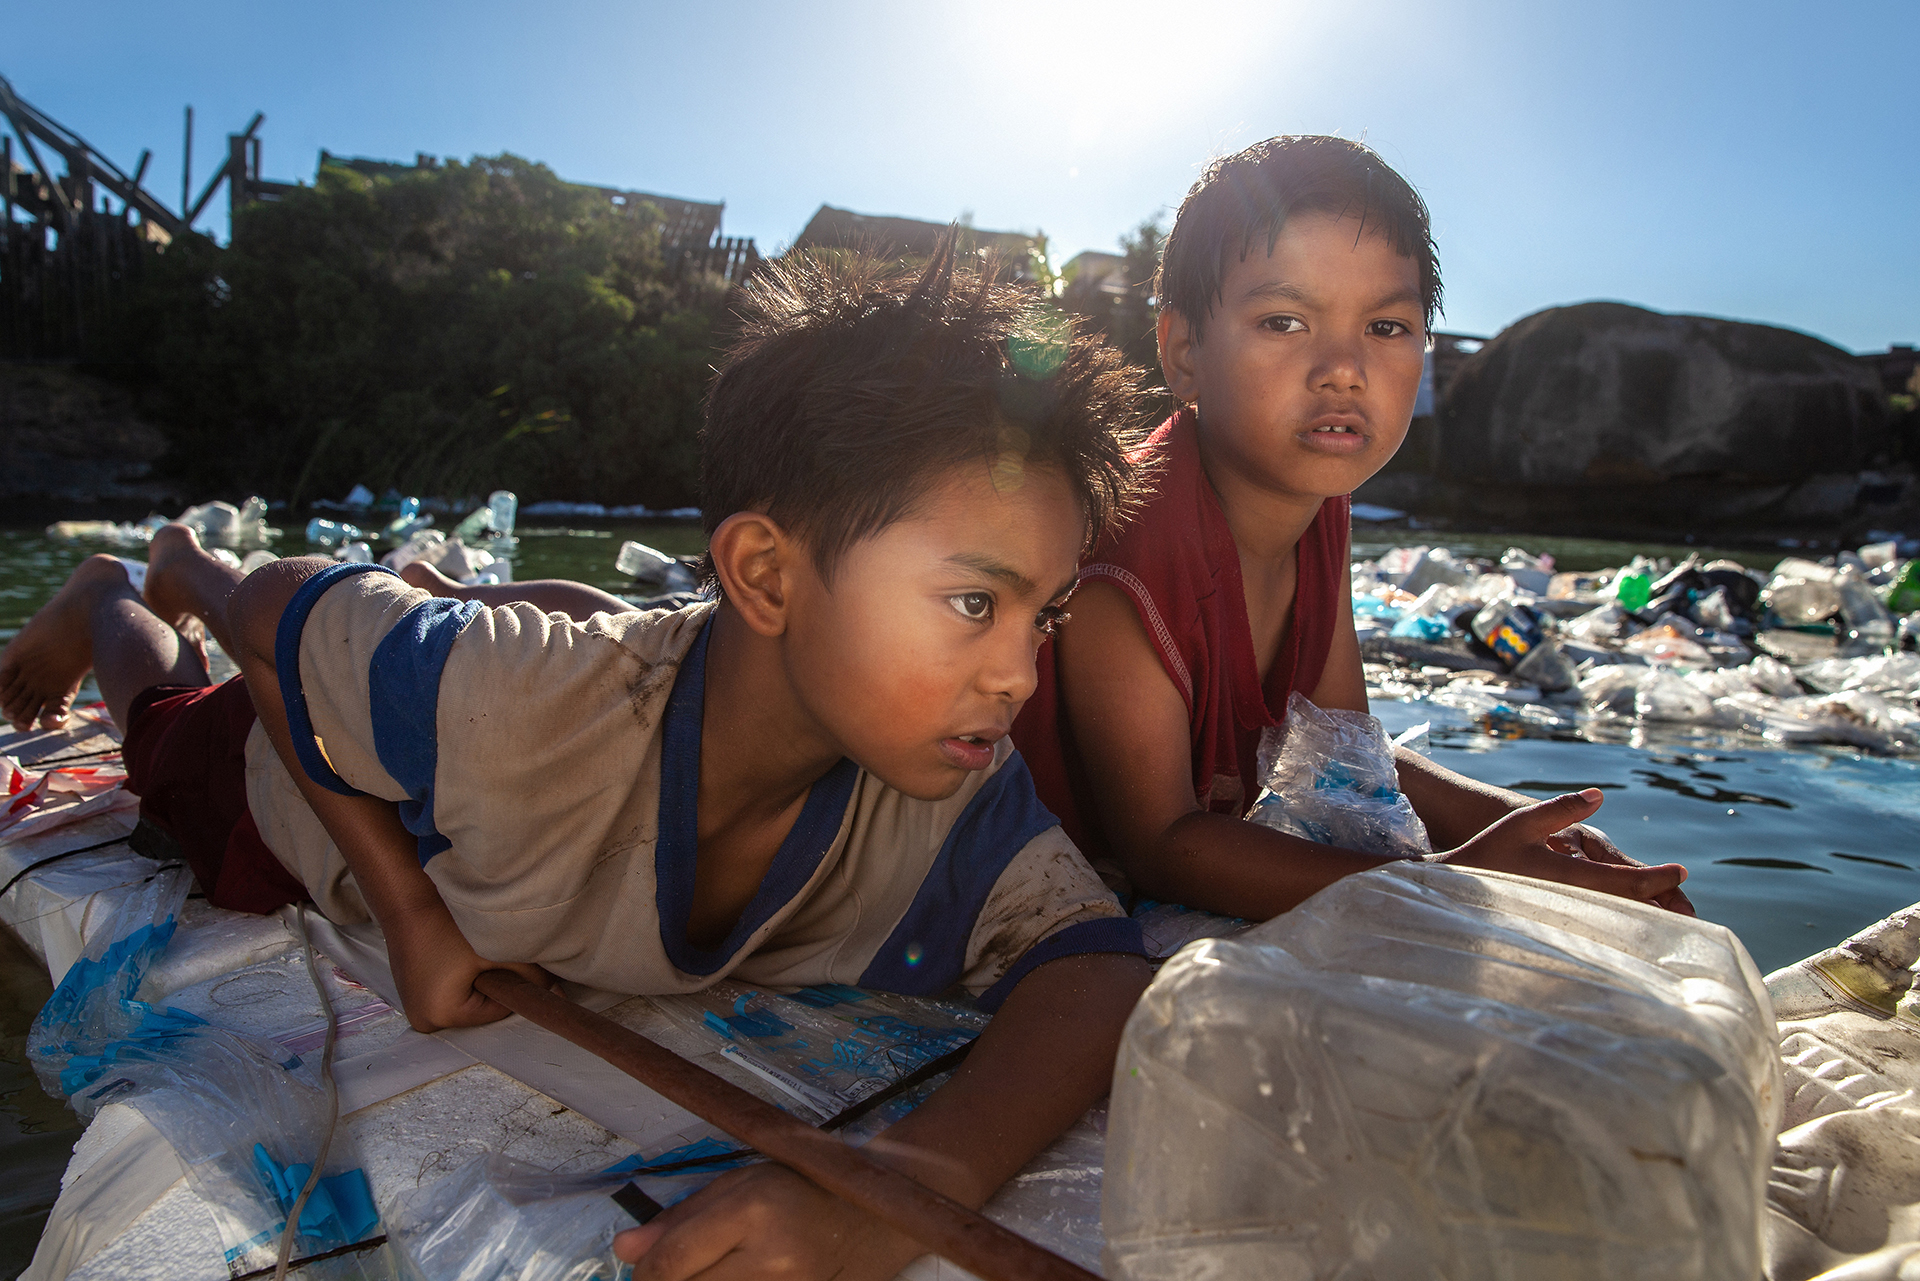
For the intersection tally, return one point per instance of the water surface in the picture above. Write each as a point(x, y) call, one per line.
point(1792, 848)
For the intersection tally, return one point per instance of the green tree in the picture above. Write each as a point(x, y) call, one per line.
point(446, 331)
point(1128, 316)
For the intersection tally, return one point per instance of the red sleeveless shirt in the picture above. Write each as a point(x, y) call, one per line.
point(1178, 564)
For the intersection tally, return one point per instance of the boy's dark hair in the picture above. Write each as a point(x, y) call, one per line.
point(854, 383)
point(1251, 194)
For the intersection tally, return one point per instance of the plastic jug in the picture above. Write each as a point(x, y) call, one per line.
point(1424, 1072)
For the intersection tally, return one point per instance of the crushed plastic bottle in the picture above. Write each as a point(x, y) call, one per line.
point(354, 553)
point(1426, 1072)
point(1802, 593)
point(654, 568)
point(1547, 667)
point(1867, 619)
point(328, 533)
point(1529, 573)
point(216, 523)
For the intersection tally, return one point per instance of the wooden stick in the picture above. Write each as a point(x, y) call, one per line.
point(938, 1222)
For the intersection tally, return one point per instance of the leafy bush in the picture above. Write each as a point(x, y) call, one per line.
point(446, 331)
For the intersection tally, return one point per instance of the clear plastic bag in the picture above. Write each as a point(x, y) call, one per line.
point(828, 1047)
point(1330, 778)
point(496, 1218)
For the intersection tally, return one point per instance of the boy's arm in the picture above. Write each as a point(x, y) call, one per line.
point(1456, 808)
point(1131, 728)
point(433, 965)
point(1043, 1061)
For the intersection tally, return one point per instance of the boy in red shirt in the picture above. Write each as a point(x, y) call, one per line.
point(1296, 292)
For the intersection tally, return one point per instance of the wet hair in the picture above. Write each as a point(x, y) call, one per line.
point(854, 384)
point(1246, 197)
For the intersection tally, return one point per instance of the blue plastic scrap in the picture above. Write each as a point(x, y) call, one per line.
point(339, 1212)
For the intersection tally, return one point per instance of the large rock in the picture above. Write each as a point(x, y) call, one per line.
point(1605, 397)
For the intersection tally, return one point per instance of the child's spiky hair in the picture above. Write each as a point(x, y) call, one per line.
point(1247, 197)
point(854, 384)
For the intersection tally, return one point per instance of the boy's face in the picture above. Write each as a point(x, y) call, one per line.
point(1308, 371)
point(921, 653)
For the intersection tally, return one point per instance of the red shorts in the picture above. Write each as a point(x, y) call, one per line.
point(186, 759)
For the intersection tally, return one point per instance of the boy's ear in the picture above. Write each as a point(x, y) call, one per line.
point(1176, 355)
point(754, 559)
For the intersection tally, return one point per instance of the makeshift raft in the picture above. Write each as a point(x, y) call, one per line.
point(485, 1127)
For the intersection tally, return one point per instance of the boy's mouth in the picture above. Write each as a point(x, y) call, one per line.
point(1336, 434)
point(970, 751)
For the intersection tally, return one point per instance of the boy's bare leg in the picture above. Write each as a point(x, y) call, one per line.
point(549, 595)
point(185, 583)
point(97, 622)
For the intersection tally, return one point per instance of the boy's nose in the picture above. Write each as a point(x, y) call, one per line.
point(1340, 366)
point(1013, 673)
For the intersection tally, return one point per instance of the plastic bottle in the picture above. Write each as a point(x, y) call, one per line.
point(250, 527)
point(477, 524)
point(1633, 588)
point(355, 553)
point(642, 563)
point(504, 505)
point(1424, 1072)
point(328, 533)
point(1545, 666)
point(1904, 596)
point(1509, 629)
point(427, 545)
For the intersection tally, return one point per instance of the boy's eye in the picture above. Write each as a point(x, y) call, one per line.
point(1284, 324)
point(1388, 329)
point(974, 606)
point(1050, 618)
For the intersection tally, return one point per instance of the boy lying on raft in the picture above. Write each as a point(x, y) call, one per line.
point(1296, 292)
point(809, 782)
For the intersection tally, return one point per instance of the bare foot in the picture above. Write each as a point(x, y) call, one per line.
point(172, 549)
point(428, 579)
point(41, 668)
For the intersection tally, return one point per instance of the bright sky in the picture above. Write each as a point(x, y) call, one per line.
point(1752, 159)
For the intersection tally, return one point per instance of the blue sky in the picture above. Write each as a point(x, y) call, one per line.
point(1754, 160)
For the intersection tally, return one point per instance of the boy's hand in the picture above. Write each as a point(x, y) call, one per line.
point(434, 967)
point(1537, 841)
point(765, 1221)
point(1583, 840)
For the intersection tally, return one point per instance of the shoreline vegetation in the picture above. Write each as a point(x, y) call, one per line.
point(461, 327)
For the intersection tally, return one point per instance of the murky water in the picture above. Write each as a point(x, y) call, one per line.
point(1793, 849)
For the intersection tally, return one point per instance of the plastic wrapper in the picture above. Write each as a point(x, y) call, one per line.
point(1427, 1072)
point(1168, 927)
point(826, 1048)
point(496, 1218)
point(1895, 675)
point(1605, 623)
point(1330, 778)
point(242, 1114)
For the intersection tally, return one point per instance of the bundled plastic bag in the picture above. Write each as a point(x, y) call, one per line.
point(1427, 1072)
point(245, 1116)
point(1330, 778)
